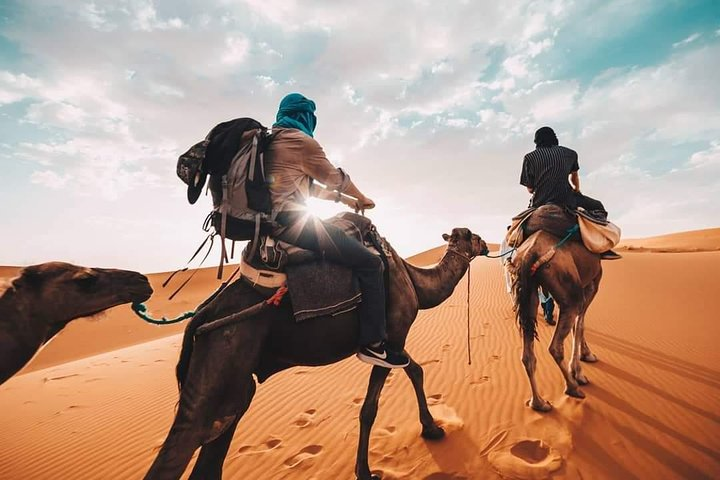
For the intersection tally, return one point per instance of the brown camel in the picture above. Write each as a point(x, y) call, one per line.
point(215, 369)
point(572, 275)
point(44, 298)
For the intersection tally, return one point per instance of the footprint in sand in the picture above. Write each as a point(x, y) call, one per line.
point(494, 357)
point(481, 380)
point(61, 377)
point(428, 362)
point(306, 453)
point(267, 446)
point(358, 401)
point(446, 347)
point(305, 419)
point(386, 432)
point(434, 399)
point(529, 459)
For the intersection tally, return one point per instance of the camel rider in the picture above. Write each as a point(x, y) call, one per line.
point(545, 173)
point(295, 160)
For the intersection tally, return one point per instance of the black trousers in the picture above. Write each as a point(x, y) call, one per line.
point(311, 233)
point(591, 205)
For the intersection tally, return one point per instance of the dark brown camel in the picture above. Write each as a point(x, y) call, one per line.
point(44, 298)
point(215, 369)
point(572, 275)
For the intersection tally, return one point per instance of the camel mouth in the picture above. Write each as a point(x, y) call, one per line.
point(141, 293)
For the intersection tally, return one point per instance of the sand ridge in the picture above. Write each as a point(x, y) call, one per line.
point(651, 409)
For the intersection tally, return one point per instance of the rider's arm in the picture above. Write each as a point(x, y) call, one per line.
point(316, 165)
point(575, 181)
point(574, 177)
point(527, 176)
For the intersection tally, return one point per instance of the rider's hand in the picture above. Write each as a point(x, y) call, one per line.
point(365, 203)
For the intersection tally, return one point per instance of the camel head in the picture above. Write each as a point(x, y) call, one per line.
point(61, 292)
point(462, 240)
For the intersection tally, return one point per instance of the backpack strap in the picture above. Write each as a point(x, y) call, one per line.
point(223, 228)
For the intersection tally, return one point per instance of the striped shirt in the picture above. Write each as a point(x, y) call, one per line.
point(546, 171)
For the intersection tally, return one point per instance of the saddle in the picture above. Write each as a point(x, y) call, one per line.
point(597, 234)
point(274, 263)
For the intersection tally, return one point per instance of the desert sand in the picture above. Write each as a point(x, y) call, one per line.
point(98, 401)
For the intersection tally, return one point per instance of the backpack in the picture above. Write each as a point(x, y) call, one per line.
point(232, 155)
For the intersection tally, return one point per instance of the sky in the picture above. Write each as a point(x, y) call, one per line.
point(429, 106)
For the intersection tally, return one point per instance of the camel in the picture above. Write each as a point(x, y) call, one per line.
point(572, 275)
point(215, 370)
point(44, 298)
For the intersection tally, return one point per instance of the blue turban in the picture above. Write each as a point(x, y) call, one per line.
point(296, 111)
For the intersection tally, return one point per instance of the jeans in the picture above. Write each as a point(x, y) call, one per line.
point(311, 233)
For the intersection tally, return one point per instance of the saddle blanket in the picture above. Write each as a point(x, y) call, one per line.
point(316, 287)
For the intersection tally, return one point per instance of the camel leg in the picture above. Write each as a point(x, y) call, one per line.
point(368, 412)
point(575, 365)
point(430, 430)
point(585, 354)
point(182, 441)
point(212, 454)
point(568, 317)
point(528, 359)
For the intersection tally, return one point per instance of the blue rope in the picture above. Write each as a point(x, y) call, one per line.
point(570, 233)
point(141, 311)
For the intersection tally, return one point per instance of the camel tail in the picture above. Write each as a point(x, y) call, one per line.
point(524, 287)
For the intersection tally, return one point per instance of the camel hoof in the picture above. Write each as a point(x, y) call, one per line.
point(541, 406)
point(575, 393)
point(433, 433)
point(589, 358)
point(581, 379)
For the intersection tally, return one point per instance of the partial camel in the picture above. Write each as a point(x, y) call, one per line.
point(44, 298)
point(571, 273)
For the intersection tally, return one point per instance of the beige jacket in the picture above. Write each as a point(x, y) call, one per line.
point(292, 159)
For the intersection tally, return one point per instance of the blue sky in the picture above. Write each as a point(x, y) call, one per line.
point(429, 105)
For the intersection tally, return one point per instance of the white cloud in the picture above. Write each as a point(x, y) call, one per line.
point(706, 158)
point(15, 87)
point(267, 83)
point(687, 40)
point(50, 179)
point(236, 49)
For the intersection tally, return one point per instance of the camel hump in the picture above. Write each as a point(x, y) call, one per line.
point(554, 219)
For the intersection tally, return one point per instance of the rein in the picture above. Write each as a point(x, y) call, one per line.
point(141, 311)
point(468, 260)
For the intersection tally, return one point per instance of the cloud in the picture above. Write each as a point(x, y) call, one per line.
point(49, 179)
point(431, 117)
point(687, 40)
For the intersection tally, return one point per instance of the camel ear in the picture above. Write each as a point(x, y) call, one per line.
point(446, 237)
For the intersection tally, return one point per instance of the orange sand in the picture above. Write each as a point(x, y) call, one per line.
point(652, 410)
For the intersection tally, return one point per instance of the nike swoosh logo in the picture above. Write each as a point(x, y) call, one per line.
point(383, 356)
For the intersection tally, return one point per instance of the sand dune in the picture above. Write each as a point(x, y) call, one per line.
point(696, 241)
point(652, 409)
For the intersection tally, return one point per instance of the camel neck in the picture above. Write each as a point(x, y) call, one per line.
point(435, 284)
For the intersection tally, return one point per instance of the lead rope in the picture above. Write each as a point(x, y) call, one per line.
point(468, 317)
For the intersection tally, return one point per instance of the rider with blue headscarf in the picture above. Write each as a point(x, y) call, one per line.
point(295, 161)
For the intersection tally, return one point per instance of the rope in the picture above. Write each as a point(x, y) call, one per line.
point(502, 254)
point(570, 233)
point(468, 317)
point(141, 311)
